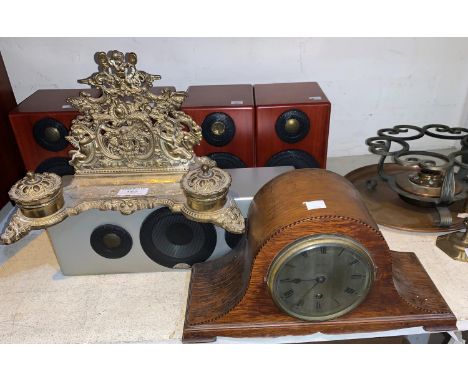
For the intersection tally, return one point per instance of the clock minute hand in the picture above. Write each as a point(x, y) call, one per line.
point(297, 281)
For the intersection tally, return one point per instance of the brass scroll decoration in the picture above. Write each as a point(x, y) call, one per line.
point(129, 129)
point(127, 139)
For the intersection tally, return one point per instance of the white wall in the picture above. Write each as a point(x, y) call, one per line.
point(372, 82)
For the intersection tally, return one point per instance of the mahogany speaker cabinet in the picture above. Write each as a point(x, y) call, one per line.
point(41, 123)
point(10, 158)
point(292, 121)
point(226, 114)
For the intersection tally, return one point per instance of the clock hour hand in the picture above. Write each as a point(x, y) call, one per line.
point(318, 280)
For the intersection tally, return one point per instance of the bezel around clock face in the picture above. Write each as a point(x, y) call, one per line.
point(320, 277)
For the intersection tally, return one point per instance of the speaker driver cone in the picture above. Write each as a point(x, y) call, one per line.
point(57, 165)
point(170, 238)
point(50, 134)
point(227, 160)
point(111, 241)
point(292, 126)
point(296, 158)
point(218, 129)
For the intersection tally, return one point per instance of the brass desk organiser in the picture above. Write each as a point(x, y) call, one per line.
point(421, 190)
point(134, 150)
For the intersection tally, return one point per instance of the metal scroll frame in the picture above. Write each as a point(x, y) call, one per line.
point(381, 145)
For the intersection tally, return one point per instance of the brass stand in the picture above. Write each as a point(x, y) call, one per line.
point(455, 244)
point(133, 151)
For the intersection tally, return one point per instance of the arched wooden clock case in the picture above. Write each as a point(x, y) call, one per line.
point(230, 297)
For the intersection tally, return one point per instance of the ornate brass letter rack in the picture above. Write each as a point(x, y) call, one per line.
point(134, 150)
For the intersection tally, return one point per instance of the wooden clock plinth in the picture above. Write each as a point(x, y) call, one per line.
point(229, 297)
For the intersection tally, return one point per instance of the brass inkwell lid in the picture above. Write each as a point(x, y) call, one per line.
point(206, 187)
point(133, 150)
point(419, 191)
point(38, 195)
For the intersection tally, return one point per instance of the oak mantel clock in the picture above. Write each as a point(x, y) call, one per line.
point(313, 260)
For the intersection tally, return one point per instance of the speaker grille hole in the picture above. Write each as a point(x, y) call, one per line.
point(57, 165)
point(170, 238)
point(111, 241)
point(292, 126)
point(218, 129)
point(179, 234)
point(227, 160)
point(232, 239)
point(296, 158)
point(50, 134)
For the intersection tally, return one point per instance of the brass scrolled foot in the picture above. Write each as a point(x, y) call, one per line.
point(16, 229)
point(229, 217)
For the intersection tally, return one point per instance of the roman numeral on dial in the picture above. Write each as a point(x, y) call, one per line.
point(288, 293)
point(349, 290)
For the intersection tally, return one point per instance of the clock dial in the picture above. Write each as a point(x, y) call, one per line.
point(320, 277)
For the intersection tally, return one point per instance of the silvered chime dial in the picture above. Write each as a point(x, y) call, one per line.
point(320, 277)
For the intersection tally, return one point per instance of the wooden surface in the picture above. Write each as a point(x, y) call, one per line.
point(55, 100)
point(219, 96)
point(389, 210)
point(45, 103)
point(278, 217)
point(10, 158)
point(204, 100)
point(274, 99)
point(416, 288)
point(50, 100)
point(293, 93)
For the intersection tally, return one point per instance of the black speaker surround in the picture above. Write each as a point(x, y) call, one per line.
point(292, 126)
point(111, 241)
point(232, 239)
point(50, 134)
point(296, 158)
point(170, 238)
point(218, 129)
point(57, 165)
point(227, 160)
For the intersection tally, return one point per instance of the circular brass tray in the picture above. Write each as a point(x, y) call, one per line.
point(389, 210)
